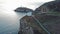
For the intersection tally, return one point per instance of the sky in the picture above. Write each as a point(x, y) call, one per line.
point(13, 4)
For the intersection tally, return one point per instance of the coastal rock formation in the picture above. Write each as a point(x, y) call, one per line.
point(23, 10)
point(29, 26)
point(49, 7)
point(48, 15)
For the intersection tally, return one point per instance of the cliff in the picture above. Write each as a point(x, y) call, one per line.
point(51, 23)
point(28, 22)
point(48, 15)
point(49, 7)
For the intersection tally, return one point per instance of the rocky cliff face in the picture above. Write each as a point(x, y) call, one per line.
point(29, 26)
point(48, 14)
point(24, 26)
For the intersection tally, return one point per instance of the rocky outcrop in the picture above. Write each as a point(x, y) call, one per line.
point(50, 22)
point(28, 26)
point(48, 15)
point(49, 7)
point(24, 27)
point(23, 10)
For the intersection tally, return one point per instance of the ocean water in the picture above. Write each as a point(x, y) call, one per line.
point(9, 21)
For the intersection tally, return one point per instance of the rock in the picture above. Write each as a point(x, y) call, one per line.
point(50, 22)
point(49, 7)
point(24, 27)
point(29, 22)
point(48, 14)
point(23, 10)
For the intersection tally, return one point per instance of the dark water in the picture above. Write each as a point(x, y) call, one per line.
point(9, 22)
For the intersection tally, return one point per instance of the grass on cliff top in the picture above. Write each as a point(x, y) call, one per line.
point(44, 17)
point(54, 13)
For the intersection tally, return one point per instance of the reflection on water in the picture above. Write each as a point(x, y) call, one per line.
point(9, 22)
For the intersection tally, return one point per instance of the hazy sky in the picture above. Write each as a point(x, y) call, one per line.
point(12, 4)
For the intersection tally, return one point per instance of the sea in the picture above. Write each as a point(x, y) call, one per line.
point(10, 21)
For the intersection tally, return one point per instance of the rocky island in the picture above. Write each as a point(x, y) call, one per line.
point(23, 10)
